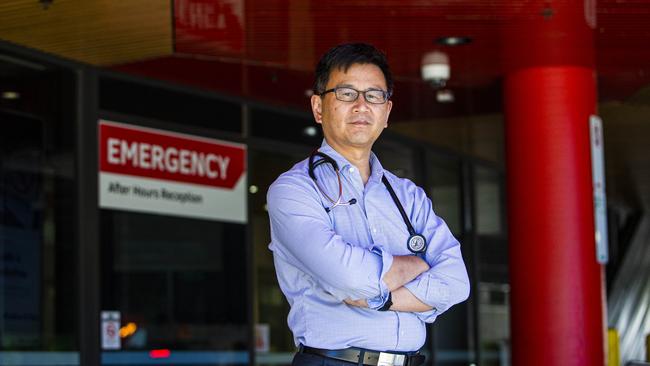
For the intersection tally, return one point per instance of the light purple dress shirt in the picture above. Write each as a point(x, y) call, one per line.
point(322, 258)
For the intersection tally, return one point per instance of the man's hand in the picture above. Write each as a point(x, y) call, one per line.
point(403, 300)
point(358, 303)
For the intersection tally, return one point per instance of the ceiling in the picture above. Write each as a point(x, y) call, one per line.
point(98, 32)
point(266, 50)
point(201, 42)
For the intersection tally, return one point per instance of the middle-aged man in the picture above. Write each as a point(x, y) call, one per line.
point(359, 254)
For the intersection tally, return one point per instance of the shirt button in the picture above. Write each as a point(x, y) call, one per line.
point(374, 230)
point(351, 170)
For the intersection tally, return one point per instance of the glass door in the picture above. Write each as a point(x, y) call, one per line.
point(38, 242)
point(493, 281)
point(273, 340)
point(451, 333)
point(175, 284)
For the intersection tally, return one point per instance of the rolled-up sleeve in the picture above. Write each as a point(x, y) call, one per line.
point(302, 234)
point(446, 283)
point(387, 261)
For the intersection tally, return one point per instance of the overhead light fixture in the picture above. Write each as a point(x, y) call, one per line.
point(10, 95)
point(453, 41)
point(435, 69)
point(445, 96)
point(253, 189)
point(46, 3)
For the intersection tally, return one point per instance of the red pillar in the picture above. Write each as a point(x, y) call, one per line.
point(556, 282)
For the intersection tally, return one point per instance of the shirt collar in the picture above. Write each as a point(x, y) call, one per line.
point(376, 169)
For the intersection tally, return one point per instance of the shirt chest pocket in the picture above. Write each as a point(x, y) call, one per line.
point(388, 227)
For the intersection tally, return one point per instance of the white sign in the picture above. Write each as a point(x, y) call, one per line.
point(600, 199)
point(262, 337)
point(155, 171)
point(110, 324)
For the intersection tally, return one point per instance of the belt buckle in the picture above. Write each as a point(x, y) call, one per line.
point(390, 359)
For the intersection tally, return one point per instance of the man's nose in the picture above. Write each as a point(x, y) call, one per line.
point(361, 104)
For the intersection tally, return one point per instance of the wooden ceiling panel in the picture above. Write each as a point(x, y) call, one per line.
point(99, 32)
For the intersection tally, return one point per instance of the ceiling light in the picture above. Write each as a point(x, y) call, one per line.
point(46, 3)
point(453, 41)
point(253, 189)
point(10, 95)
point(444, 96)
point(435, 69)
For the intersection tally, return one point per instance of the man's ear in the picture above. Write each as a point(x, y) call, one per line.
point(388, 108)
point(317, 108)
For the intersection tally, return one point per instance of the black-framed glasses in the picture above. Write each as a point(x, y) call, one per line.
point(347, 94)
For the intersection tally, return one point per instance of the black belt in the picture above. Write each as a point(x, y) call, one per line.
point(371, 358)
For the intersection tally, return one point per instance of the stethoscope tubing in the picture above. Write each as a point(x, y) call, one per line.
point(406, 219)
point(328, 159)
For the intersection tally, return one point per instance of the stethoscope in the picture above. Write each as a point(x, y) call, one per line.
point(416, 243)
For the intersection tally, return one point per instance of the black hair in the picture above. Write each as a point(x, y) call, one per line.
point(345, 55)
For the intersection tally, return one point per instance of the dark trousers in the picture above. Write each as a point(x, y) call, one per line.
point(310, 359)
point(307, 359)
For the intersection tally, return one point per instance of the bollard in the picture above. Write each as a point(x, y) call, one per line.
point(613, 356)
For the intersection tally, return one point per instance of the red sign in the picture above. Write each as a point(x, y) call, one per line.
point(209, 27)
point(158, 154)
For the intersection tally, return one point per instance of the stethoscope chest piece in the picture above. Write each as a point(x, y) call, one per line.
point(417, 243)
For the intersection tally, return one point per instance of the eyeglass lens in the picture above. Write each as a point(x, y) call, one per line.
point(374, 96)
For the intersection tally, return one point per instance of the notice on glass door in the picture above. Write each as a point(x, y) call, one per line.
point(163, 172)
point(110, 328)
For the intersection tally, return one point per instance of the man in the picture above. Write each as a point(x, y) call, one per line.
point(357, 273)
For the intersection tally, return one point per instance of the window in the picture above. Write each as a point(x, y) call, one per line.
point(38, 245)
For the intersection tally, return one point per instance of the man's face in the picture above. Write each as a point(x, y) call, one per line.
point(352, 124)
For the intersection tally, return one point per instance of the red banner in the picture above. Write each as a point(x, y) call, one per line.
point(158, 154)
point(209, 27)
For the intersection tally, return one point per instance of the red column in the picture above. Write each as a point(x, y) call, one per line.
point(550, 91)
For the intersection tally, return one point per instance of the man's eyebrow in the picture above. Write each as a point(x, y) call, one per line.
point(375, 87)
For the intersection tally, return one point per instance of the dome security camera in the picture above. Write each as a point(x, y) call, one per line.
point(435, 69)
